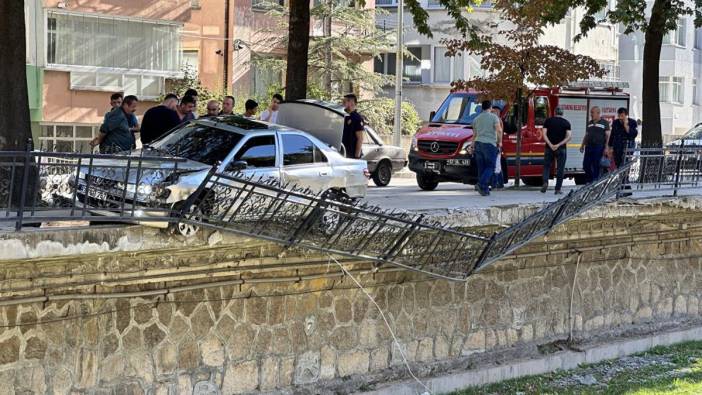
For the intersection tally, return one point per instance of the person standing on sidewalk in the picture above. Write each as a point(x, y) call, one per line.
point(354, 128)
point(487, 135)
point(594, 144)
point(624, 132)
point(556, 133)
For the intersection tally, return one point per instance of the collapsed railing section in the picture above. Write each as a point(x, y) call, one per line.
point(322, 221)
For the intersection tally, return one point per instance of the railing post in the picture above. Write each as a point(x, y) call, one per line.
point(678, 165)
point(25, 181)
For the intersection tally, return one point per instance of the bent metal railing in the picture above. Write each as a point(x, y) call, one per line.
point(38, 187)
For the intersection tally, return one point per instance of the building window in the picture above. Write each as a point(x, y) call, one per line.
point(412, 67)
point(385, 63)
point(263, 79)
point(386, 3)
point(447, 69)
point(677, 36)
point(695, 94)
point(195, 4)
point(145, 87)
point(66, 137)
point(265, 5)
point(191, 61)
point(85, 42)
point(671, 89)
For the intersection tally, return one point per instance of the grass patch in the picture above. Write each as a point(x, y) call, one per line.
point(662, 370)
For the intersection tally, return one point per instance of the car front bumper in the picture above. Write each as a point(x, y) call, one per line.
point(459, 168)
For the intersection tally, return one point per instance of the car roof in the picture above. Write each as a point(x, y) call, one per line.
point(239, 124)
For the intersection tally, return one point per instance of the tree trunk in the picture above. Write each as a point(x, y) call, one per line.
point(651, 134)
point(298, 47)
point(15, 127)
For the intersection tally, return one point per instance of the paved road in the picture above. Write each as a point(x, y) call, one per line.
point(403, 193)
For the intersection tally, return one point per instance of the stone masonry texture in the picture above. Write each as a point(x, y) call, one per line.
point(316, 334)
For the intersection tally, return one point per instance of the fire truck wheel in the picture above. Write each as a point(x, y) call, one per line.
point(427, 181)
point(580, 179)
point(532, 181)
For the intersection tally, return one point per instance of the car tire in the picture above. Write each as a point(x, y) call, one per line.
point(382, 174)
point(532, 181)
point(189, 230)
point(427, 182)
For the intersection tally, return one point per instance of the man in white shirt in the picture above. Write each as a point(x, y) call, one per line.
point(271, 113)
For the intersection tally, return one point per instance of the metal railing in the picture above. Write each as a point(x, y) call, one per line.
point(38, 187)
point(668, 169)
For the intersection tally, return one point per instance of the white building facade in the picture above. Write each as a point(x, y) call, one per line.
point(428, 77)
point(680, 65)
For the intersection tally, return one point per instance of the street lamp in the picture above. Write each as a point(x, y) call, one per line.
point(397, 131)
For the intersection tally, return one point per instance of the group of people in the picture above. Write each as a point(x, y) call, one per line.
point(604, 146)
point(120, 126)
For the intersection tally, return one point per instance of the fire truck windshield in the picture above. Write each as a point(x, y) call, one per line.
point(460, 108)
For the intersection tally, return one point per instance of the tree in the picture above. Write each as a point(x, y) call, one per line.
point(634, 15)
point(334, 58)
point(518, 62)
point(298, 46)
point(15, 127)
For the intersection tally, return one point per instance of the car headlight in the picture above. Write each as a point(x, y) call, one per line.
point(413, 145)
point(467, 148)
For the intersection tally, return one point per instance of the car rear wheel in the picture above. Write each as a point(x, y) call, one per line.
point(427, 182)
point(382, 174)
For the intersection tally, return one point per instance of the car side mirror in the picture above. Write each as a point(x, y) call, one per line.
point(237, 165)
point(431, 115)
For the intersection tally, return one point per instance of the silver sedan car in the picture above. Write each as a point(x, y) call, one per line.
point(326, 122)
point(233, 144)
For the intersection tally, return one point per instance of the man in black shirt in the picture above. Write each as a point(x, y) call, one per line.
point(160, 119)
point(623, 136)
point(352, 138)
point(556, 133)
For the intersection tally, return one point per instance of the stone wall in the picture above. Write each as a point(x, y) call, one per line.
point(243, 316)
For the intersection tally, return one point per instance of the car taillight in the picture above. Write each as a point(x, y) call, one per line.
point(366, 173)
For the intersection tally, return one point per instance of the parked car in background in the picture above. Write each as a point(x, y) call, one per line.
point(232, 144)
point(693, 138)
point(326, 122)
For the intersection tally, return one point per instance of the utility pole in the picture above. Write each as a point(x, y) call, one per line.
point(397, 131)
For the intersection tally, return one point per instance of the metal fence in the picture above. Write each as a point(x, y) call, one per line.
point(669, 169)
point(38, 187)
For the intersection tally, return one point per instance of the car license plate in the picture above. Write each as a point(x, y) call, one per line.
point(433, 166)
point(458, 162)
point(93, 193)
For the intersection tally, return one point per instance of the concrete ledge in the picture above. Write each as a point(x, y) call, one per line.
point(563, 360)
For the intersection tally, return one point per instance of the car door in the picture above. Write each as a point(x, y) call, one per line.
point(304, 164)
point(260, 152)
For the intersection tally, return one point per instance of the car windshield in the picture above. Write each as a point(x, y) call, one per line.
point(200, 143)
point(458, 108)
point(694, 133)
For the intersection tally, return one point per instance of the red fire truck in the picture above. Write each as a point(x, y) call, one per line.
point(442, 150)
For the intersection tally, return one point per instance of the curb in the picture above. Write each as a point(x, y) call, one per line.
point(564, 360)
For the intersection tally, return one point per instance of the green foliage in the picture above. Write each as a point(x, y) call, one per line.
point(354, 39)
point(190, 81)
point(521, 62)
point(380, 114)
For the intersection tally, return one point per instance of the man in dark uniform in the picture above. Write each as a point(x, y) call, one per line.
point(352, 138)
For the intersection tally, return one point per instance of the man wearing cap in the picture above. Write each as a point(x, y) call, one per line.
point(556, 134)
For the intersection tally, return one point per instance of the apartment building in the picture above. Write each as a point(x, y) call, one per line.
point(79, 52)
point(429, 74)
point(680, 68)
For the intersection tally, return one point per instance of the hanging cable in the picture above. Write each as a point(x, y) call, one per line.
point(387, 324)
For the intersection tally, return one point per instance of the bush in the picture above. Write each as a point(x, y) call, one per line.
point(380, 114)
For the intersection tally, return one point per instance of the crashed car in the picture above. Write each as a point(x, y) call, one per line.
point(326, 122)
point(234, 145)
